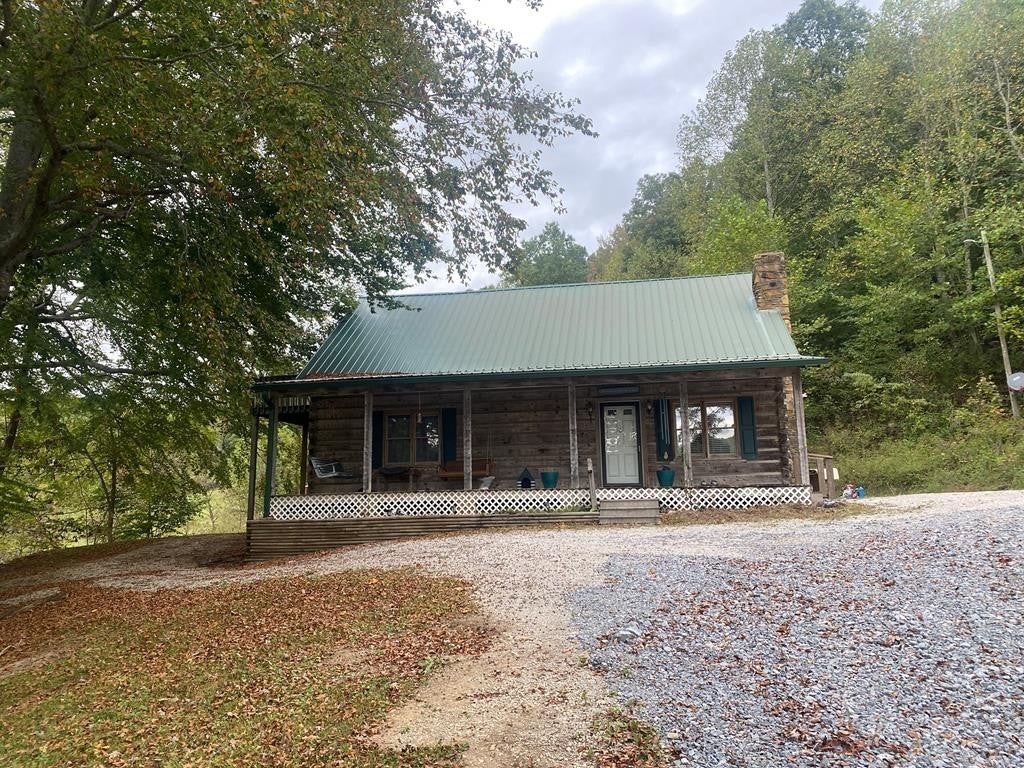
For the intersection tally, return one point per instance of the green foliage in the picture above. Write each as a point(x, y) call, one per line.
point(551, 258)
point(652, 239)
point(977, 448)
point(190, 193)
point(736, 230)
point(120, 463)
point(869, 148)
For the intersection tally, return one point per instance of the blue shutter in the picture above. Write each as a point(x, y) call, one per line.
point(449, 440)
point(378, 440)
point(748, 430)
point(663, 430)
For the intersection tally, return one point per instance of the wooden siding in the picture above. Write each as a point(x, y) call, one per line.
point(528, 427)
point(266, 539)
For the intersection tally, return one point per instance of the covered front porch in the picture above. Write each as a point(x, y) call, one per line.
point(729, 438)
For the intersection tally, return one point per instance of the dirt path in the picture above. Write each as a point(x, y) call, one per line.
point(529, 701)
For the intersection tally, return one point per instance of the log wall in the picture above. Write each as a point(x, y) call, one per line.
point(528, 427)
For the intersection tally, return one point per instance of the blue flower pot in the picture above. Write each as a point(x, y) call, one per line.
point(549, 479)
point(666, 477)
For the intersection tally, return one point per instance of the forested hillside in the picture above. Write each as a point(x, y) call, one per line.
point(872, 150)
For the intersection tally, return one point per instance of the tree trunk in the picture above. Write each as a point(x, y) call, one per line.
point(965, 213)
point(23, 191)
point(10, 436)
point(769, 194)
point(111, 503)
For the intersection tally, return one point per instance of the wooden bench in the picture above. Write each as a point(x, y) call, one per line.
point(453, 470)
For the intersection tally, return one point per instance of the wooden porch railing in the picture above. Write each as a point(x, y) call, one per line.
point(825, 466)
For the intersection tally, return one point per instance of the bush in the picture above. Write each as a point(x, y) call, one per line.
point(980, 448)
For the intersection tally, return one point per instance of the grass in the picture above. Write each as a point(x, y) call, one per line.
point(934, 463)
point(225, 513)
point(292, 671)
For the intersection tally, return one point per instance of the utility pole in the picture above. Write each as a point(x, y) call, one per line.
point(1007, 368)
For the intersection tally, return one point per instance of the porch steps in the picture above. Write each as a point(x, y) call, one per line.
point(629, 511)
point(267, 539)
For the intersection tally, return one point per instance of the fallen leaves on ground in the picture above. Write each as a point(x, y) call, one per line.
point(291, 671)
point(622, 741)
point(52, 559)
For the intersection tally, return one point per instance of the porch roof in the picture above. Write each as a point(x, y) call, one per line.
point(692, 323)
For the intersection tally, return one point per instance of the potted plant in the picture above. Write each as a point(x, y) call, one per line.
point(549, 477)
point(666, 476)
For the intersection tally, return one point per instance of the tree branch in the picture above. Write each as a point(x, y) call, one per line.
point(90, 364)
point(106, 145)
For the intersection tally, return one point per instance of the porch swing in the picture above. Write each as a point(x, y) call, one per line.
point(453, 469)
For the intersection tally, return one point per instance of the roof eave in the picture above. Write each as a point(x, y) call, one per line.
point(343, 382)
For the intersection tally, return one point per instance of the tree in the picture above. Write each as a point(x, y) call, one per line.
point(736, 231)
point(868, 147)
point(202, 181)
point(191, 190)
point(652, 240)
point(551, 258)
point(742, 116)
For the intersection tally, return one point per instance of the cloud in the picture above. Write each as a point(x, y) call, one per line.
point(637, 66)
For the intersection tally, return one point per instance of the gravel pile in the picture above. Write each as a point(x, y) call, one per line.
point(877, 641)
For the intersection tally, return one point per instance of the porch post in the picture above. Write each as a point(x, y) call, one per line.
point(268, 485)
point(250, 505)
point(801, 429)
point(574, 446)
point(467, 439)
point(304, 460)
point(367, 442)
point(684, 409)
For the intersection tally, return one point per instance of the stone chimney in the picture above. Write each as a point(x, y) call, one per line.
point(771, 286)
point(771, 291)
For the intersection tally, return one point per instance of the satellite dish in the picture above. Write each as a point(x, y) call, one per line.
point(1016, 381)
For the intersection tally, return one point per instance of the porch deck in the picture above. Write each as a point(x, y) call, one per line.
point(495, 502)
point(301, 524)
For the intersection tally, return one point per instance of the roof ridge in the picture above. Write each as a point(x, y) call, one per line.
point(487, 291)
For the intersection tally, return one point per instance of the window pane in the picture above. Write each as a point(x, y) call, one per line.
point(398, 426)
point(398, 451)
point(398, 446)
point(428, 439)
point(721, 429)
point(696, 431)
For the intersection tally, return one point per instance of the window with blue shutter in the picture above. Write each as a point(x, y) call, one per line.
point(449, 439)
point(748, 429)
point(663, 430)
point(377, 440)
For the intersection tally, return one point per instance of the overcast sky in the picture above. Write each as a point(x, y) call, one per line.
point(637, 66)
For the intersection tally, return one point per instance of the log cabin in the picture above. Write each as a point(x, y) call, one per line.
point(684, 390)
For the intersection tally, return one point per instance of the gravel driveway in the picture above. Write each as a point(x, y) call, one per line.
point(892, 640)
point(887, 639)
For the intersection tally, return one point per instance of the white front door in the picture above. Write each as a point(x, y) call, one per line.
point(621, 444)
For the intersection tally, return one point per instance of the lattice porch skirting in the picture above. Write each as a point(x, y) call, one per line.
point(424, 503)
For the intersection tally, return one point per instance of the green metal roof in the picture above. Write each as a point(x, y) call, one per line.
point(691, 323)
